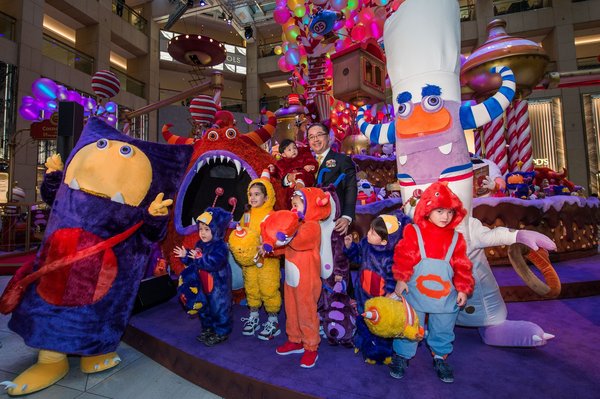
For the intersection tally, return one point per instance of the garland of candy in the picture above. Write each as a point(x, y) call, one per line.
point(524, 135)
point(495, 143)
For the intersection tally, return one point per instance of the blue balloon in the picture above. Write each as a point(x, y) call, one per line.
point(323, 22)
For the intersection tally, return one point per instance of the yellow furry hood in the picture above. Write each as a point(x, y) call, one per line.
point(258, 214)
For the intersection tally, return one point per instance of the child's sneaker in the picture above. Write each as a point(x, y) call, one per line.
point(270, 330)
point(309, 359)
point(205, 334)
point(250, 324)
point(214, 339)
point(290, 347)
point(443, 370)
point(398, 366)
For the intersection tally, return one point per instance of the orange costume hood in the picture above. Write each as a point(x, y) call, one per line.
point(317, 204)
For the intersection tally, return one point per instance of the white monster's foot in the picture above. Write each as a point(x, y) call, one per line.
point(515, 333)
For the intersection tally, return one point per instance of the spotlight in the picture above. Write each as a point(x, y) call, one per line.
point(202, 3)
point(248, 32)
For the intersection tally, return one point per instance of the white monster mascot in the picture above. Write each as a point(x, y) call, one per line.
point(422, 44)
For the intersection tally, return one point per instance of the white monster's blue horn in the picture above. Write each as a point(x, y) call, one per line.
point(472, 116)
point(378, 133)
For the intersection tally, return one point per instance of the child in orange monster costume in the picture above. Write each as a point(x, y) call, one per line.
point(299, 232)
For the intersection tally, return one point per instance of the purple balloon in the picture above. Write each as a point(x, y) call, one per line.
point(44, 89)
point(111, 120)
point(29, 112)
point(72, 95)
point(62, 94)
point(110, 107)
point(89, 104)
point(26, 100)
point(50, 106)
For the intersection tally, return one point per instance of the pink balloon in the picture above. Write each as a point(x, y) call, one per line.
point(281, 15)
point(283, 66)
point(359, 32)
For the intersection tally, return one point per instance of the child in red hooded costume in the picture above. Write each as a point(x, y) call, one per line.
point(434, 274)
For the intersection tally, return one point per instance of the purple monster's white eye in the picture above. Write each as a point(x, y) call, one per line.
point(126, 151)
point(102, 144)
point(405, 109)
point(432, 103)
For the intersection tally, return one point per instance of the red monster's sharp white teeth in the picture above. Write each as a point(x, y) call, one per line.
point(238, 165)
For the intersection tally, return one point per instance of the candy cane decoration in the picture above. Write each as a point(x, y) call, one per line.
point(495, 143)
point(477, 137)
point(524, 135)
point(513, 143)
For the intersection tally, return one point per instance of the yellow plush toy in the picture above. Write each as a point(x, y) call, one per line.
point(392, 317)
point(244, 244)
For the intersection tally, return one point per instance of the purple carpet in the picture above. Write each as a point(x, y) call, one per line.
point(563, 368)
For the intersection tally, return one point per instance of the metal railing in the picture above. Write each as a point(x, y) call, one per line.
point(129, 84)
point(467, 12)
point(67, 55)
point(7, 26)
point(502, 7)
point(267, 50)
point(588, 63)
point(22, 225)
point(129, 14)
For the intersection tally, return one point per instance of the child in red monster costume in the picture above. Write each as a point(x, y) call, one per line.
point(301, 239)
point(434, 274)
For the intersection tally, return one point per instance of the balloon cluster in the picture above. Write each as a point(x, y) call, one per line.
point(350, 21)
point(343, 117)
point(46, 94)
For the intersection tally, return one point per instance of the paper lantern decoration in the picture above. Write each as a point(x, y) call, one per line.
point(203, 109)
point(105, 84)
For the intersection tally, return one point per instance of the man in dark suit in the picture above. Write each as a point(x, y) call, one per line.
point(318, 139)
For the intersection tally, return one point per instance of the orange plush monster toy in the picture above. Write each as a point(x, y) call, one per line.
point(301, 239)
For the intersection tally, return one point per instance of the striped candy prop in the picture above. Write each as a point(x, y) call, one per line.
point(105, 84)
point(472, 116)
point(203, 109)
point(495, 144)
point(513, 143)
point(477, 133)
point(524, 135)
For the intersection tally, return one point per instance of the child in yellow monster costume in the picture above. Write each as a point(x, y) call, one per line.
point(262, 277)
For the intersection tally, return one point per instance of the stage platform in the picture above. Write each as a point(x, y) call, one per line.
point(579, 278)
point(246, 367)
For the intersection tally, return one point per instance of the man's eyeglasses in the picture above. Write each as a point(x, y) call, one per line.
point(316, 136)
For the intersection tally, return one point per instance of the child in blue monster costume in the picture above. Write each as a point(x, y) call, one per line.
point(207, 269)
point(374, 253)
point(108, 207)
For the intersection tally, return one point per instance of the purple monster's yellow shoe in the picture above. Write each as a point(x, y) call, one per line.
point(95, 364)
point(50, 368)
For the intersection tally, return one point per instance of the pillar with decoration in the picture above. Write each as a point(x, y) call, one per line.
point(528, 61)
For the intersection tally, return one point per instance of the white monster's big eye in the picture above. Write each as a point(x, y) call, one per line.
point(230, 133)
point(405, 109)
point(126, 151)
point(432, 103)
point(102, 144)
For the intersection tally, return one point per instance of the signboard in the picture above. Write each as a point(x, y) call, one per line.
point(46, 129)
